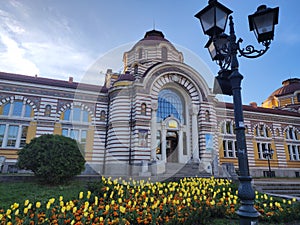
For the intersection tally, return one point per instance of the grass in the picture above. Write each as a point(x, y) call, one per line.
point(11, 192)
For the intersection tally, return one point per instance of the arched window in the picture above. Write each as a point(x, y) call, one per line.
point(13, 132)
point(48, 110)
point(207, 116)
point(227, 127)
point(136, 69)
point(143, 109)
point(293, 143)
point(102, 115)
point(76, 114)
point(140, 53)
point(262, 131)
point(17, 108)
point(164, 54)
point(170, 103)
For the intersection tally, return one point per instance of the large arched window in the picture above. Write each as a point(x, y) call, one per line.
point(293, 143)
point(170, 103)
point(16, 116)
point(76, 114)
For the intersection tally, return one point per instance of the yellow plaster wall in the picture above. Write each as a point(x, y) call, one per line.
point(31, 131)
point(89, 144)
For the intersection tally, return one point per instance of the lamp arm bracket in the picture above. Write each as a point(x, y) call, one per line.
point(250, 51)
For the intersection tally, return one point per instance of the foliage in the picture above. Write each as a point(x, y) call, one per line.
point(191, 201)
point(52, 158)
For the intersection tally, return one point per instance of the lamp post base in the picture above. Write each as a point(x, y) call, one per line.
point(247, 213)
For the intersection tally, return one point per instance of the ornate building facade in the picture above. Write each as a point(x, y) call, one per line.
point(160, 111)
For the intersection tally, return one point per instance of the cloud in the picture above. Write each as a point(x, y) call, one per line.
point(13, 60)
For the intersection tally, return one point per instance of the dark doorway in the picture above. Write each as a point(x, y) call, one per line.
point(171, 146)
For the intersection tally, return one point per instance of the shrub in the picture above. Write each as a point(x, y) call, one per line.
point(53, 159)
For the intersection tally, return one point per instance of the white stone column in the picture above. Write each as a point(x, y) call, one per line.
point(163, 143)
point(153, 130)
point(180, 146)
point(195, 134)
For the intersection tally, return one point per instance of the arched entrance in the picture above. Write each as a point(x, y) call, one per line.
point(171, 146)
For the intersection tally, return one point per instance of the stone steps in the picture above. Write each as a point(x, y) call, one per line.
point(177, 171)
point(279, 187)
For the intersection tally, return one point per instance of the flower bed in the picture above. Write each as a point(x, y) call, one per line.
point(189, 201)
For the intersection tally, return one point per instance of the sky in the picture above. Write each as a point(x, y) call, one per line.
point(62, 38)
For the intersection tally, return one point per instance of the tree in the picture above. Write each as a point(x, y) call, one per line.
point(52, 158)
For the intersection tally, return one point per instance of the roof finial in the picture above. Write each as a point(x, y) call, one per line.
point(153, 24)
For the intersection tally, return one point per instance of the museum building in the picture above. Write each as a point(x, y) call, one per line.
point(159, 112)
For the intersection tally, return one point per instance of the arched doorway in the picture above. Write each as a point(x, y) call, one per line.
point(172, 146)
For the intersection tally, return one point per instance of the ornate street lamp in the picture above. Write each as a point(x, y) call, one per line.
point(224, 49)
point(268, 154)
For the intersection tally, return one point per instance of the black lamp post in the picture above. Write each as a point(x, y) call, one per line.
point(268, 153)
point(224, 49)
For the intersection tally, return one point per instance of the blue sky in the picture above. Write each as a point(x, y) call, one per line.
point(62, 38)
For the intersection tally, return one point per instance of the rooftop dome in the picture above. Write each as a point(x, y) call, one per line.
point(154, 35)
point(127, 76)
point(289, 86)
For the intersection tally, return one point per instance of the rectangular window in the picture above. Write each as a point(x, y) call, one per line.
point(67, 113)
point(23, 136)
point(74, 134)
point(65, 132)
point(2, 131)
point(85, 116)
point(6, 109)
point(12, 136)
point(76, 114)
point(225, 149)
point(28, 110)
point(230, 148)
point(17, 108)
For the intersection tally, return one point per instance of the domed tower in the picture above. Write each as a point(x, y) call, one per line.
point(152, 49)
point(285, 97)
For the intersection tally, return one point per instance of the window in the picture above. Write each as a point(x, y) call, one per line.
point(140, 53)
point(76, 114)
point(164, 54)
point(227, 127)
point(47, 110)
point(261, 147)
point(294, 152)
point(80, 135)
point(102, 115)
point(2, 131)
point(170, 103)
point(291, 134)
point(17, 109)
point(13, 136)
point(293, 143)
point(230, 148)
point(136, 69)
point(262, 131)
point(207, 116)
point(143, 109)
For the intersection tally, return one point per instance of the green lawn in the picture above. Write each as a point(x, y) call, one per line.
point(11, 192)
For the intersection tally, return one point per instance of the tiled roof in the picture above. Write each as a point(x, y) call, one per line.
point(48, 82)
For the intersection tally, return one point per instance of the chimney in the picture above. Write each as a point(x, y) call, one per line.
point(253, 104)
point(70, 79)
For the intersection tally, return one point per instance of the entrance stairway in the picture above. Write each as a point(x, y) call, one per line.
point(288, 188)
point(176, 171)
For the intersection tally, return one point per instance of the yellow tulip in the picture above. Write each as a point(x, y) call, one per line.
point(38, 204)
